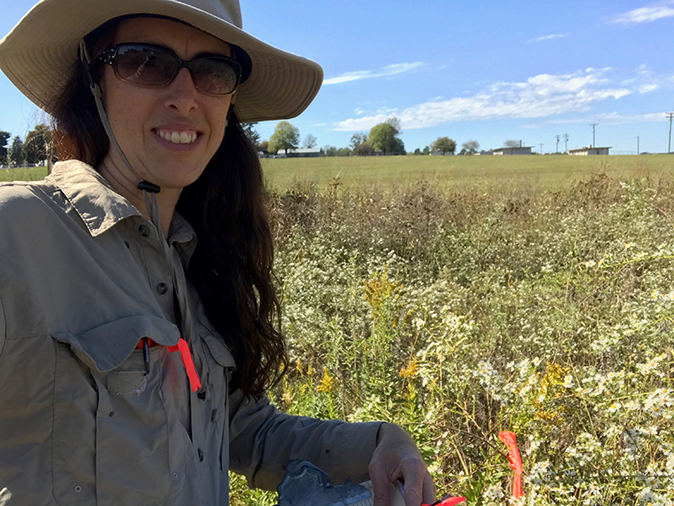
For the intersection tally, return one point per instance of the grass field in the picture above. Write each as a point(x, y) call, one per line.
point(544, 172)
point(27, 174)
point(540, 172)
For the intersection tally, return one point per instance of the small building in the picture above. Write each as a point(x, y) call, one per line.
point(485, 153)
point(440, 153)
point(520, 150)
point(302, 153)
point(589, 151)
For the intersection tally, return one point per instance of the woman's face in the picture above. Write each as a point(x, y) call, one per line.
point(140, 116)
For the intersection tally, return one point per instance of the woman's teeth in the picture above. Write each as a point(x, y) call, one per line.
point(178, 137)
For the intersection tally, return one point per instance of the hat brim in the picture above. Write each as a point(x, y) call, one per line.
point(38, 55)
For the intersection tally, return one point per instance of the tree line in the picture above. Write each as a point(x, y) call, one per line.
point(34, 149)
point(383, 138)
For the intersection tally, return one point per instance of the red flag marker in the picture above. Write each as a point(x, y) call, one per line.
point(510, 440)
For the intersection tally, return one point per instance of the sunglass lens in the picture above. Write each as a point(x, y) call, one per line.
point(214, 76)
point(145, 66)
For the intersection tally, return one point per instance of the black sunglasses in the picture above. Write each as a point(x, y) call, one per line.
point(149, 65)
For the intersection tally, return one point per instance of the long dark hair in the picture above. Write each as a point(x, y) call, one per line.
point(231, 267)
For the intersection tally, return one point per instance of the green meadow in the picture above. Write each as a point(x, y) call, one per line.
point(548, 172)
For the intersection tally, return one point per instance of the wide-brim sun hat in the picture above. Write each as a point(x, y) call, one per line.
point(40, 52)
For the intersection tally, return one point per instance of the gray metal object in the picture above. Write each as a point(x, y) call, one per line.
point(307, 485)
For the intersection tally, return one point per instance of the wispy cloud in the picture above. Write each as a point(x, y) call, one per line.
point(539, 96)
point(610, 118)
point(549, 37)
point(646, 14)
point(389, 70)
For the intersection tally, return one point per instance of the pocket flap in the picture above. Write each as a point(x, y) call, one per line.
point(105, 347)
point(219, 350)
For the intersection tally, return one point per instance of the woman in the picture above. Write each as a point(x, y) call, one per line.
point(137, 312)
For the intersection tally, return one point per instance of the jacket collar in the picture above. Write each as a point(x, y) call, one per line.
point(101, 207)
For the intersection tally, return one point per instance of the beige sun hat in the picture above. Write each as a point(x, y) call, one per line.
point(39, 53)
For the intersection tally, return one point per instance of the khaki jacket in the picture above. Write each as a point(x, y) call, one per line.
point(82, 280)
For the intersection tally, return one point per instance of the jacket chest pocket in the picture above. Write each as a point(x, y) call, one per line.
point(111, 440)
point(220, 363)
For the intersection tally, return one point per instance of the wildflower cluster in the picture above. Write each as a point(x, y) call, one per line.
point(458, 314)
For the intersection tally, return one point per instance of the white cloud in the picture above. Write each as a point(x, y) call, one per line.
point(539, 96)
point(389, 70)
point(549, 37)
point(612, 118)
point(647, 88)
point(645, 14)
point(358, 111)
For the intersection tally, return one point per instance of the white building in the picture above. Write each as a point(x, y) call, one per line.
point(301, 152)
point(589, 151)
point(520, 150)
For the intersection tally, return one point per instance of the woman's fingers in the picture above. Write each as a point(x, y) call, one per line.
point(380, 484)
point(430, 492)
point(397, 457)
point(415, 485)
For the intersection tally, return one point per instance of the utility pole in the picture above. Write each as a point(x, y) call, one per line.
point(593, 125)
point(670, 115)
point(637, 144)
point(558, 137)
point(566, 143)
point(541, 148)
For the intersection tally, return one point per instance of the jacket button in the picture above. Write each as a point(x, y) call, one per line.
point(202, 395)
point(201, 455)
point(144, 231)
point(162, 288)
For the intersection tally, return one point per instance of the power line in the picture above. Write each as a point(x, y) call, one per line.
point(566, 143)
point(670, 115)
point(593, 125)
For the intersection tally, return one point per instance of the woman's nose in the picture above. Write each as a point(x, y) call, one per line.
point(182, 93)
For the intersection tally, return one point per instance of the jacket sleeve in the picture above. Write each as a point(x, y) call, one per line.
point(262, 441)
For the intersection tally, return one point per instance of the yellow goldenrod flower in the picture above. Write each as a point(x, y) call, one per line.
point(328, 382)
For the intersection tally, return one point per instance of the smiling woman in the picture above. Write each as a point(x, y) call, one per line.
point(134, 358)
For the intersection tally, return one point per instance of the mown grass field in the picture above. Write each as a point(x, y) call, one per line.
point(544, 172)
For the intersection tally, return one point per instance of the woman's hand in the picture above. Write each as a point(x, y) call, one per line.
point(397, 457)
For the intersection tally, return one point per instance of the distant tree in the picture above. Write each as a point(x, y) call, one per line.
point(344, 152)
point(4, 137)
point(417, 151)
point(329, 150)
point(395, 123)
point(398, 147)
point(427, 150)
point(285, 136)
point(363, 149)
point(16, 151)
point(264, 145)
point(252, 134)
point(470, 147)
point(357, 138)
point(444, 145)
point(37, 145)
point(384, 137)
point(309, 142)
point(512, 144)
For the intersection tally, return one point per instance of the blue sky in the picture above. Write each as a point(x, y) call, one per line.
point(486, 70)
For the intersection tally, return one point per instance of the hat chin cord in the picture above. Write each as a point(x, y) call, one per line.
point(149, 189)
